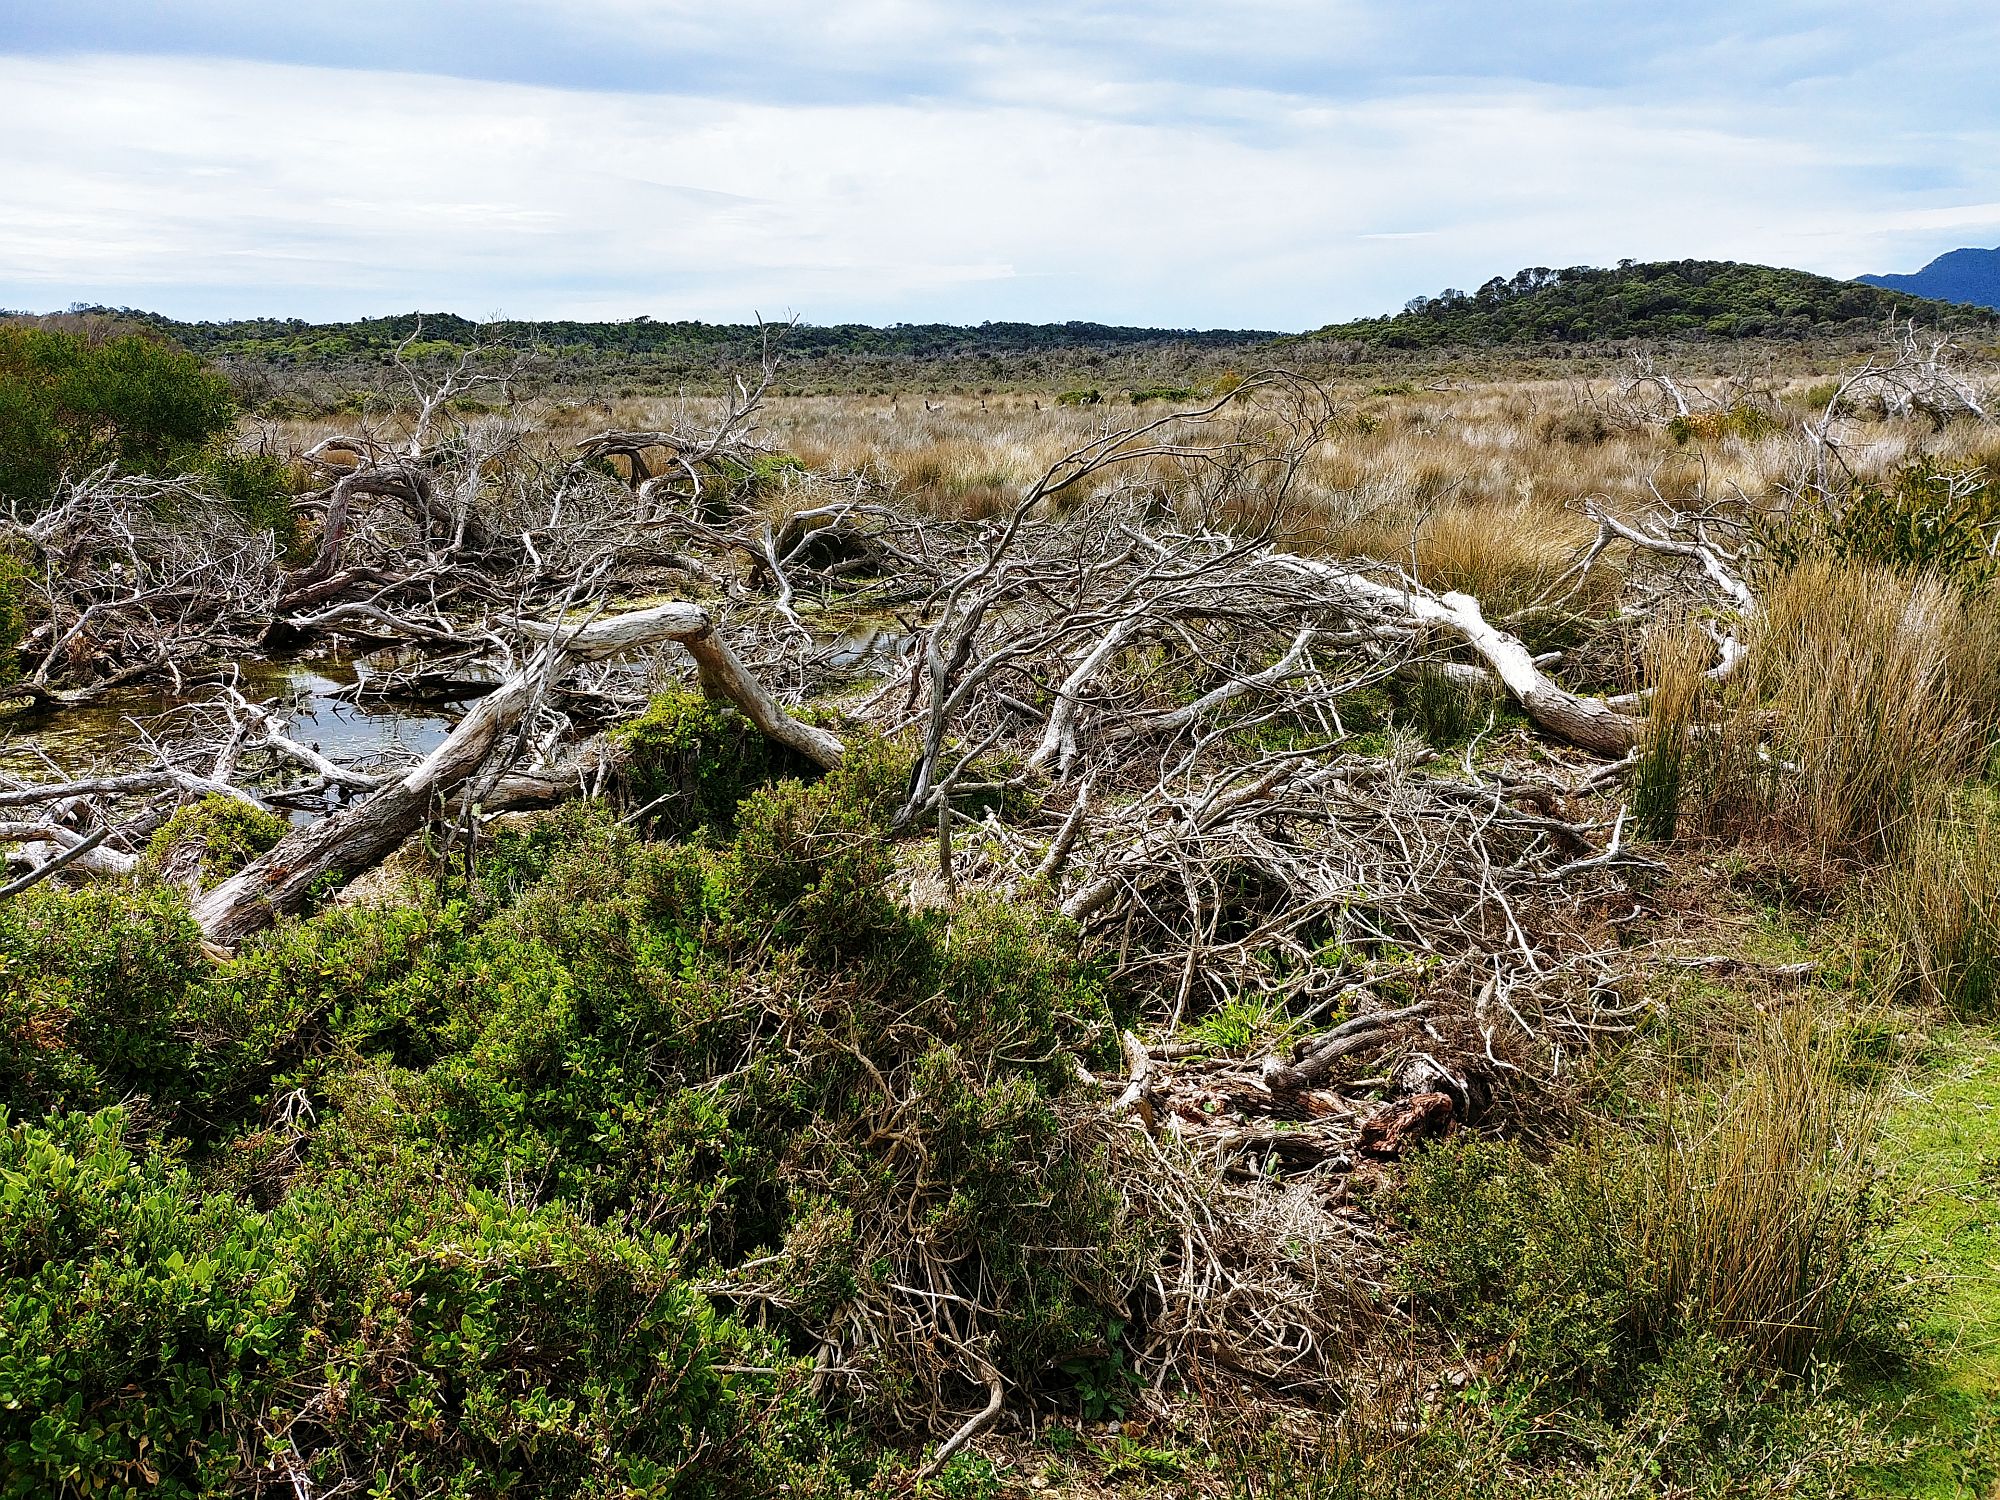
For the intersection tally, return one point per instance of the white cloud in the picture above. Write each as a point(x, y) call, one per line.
point(208, 187)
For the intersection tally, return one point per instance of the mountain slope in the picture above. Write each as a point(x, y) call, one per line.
point(1680, 299)
point(1957, 276)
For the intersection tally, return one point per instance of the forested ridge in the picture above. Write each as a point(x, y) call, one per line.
point(1672, 300)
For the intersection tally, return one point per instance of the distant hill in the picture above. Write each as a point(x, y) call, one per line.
point(296, 339)
point(1671, 300)
point(1957, 276)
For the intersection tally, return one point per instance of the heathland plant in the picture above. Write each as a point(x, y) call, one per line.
point(69, 404)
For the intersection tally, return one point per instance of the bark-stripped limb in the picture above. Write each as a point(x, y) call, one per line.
point(1588, 723)
point(360, 837)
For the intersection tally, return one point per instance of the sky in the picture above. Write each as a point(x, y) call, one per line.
point(1236, 163)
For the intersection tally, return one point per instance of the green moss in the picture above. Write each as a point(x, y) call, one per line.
point(1942, 1147)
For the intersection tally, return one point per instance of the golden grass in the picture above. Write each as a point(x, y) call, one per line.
point(1751, 1219)
point(1940, 905)
point(1474, 486)
point(1881, 687)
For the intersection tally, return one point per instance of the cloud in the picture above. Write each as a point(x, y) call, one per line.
point(1279, 163)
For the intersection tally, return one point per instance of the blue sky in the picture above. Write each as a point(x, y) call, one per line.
point(1266, 163)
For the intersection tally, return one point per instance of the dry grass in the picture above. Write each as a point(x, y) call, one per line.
point(1752, 1209)
point(1940, 904)
point(1881, 687)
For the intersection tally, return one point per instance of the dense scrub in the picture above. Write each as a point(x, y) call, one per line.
point(1685, 299)
point(485, 1184)
point(68, 405)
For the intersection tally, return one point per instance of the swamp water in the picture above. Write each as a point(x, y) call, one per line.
point(318, 698)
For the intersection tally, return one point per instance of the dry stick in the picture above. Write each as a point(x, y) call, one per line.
point(43, 871)
point(964, 1434)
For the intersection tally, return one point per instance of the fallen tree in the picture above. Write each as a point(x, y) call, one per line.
point(361, 836)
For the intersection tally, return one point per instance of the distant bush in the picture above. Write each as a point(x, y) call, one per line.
point(1144, 394)
point(1925, 518)
point(1746, 421)
point(68, 405)
point(1681, 299)
point(258, 487)
point(1090, 396)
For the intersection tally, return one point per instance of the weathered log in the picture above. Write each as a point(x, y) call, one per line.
point(1349, 1037)
point(362, 836)
point(1588, 723)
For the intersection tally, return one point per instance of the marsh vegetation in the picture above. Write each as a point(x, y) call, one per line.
point(1302, 932)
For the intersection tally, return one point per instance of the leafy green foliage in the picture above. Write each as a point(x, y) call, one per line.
point(691, 760)
point(166, 1339)
point(1926, 518)
point(13, 612)
point(259, 487)
point(1688, 299)
point(68, 405)
point(214, 838)
point(736, 1060)
point(95, 988)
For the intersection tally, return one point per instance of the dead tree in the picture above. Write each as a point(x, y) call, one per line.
point(360, 837)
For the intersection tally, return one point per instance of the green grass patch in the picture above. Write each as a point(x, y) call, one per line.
point(1941, 1148)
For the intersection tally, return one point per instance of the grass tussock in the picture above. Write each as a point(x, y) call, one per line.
point(1862, 691)
point(1940, 908)
point(1741, 1217)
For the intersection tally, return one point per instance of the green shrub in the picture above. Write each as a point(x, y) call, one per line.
point(210, 840)
point(740, 1048)
point(13, 612)
point(164, 1340)
point(1743, 1218)
point(95, 985)
point(259, 488)
point(1087, 396)
point(68, 405)
point(689, 760)
point(1926, 519)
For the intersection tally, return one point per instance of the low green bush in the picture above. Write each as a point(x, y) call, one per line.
point(164, 1340)
point(259, 488)
point(1744, 1218)
point(689, 760)
point(1926, 518)
point(96, 987)
point(210, 840)
point(735, 1058)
